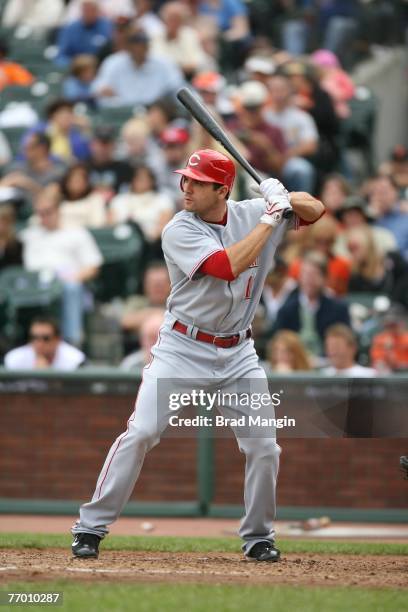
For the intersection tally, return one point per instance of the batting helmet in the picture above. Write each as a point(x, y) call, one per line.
point(210, 167)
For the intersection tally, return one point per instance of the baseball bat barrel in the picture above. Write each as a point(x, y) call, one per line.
point(211, 125)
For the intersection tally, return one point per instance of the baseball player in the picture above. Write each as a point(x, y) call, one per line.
point(218, 253)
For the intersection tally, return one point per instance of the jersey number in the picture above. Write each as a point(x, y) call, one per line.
point(248, 289)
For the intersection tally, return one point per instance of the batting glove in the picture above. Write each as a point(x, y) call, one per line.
point(276, 212)
point(271, 189)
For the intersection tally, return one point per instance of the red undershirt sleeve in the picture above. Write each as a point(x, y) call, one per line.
point(218, 265)
point(302, 223)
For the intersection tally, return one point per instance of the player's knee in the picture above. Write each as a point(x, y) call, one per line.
point(147, 436)
point(261, 447)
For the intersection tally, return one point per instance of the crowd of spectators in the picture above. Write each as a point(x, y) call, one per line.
point(99, 156)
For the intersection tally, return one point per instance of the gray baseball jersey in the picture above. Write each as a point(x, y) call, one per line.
point(209, 303)
point(215, 306)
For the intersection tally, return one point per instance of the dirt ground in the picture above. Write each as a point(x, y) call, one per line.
point(225, 568)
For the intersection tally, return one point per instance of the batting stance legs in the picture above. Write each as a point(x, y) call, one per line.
point(176, 353)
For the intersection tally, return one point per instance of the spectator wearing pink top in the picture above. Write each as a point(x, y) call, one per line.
point(334, 80)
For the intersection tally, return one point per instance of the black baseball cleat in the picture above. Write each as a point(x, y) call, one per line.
point(263, 551)
point(86, 546)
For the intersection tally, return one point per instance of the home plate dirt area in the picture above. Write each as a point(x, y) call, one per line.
point(213, 568)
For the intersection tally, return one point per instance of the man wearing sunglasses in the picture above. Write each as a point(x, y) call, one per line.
point(46, 349)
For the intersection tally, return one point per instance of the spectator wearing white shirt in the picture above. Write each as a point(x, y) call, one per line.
point(46, 349)
point(38, 15)
point(71, 253)
point(300, 133)
point(82, 205)
point(147, 18)
point(144, 204)
point(129, 9)
point(278, 286)
point(134, 77)
point(179, 42)
point(341, 349)
point(112, 10)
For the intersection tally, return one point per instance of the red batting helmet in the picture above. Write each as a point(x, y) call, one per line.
point(211, 167)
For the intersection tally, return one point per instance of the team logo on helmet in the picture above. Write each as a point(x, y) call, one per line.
point(192, 162)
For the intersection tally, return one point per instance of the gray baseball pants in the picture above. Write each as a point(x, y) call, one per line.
point(178, 355)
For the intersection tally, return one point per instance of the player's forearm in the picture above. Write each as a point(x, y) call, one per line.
point(306, 206)
point(243, 253)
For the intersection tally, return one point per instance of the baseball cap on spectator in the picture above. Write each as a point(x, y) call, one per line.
point(354, 202)
point(105, 133)
point(252, 94)
point(325, 59)
point(399, 153)
point(208, 81)
point(262, 65)
point(174, 135)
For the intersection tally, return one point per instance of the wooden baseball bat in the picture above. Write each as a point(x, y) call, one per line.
point(209, 123)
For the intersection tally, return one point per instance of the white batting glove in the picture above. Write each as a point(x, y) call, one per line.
point(274, 213)
point(272, 188)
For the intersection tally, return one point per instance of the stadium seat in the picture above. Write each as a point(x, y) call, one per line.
point(42, 88)
point(6, 33)
point(14, 136)
point(363, 298)
point(24, 295)
point(27, 46)
point(16, 93)
point(31, 50)
point(115, 117)
point(122, 248)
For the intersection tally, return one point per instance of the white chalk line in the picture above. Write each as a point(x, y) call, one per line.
point(110, 570)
